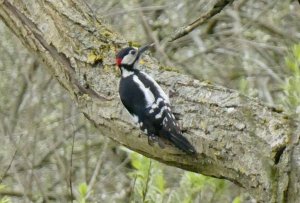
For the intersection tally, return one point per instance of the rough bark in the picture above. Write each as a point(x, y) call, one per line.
point(237, 138)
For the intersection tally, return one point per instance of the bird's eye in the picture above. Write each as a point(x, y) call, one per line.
point(132, 52)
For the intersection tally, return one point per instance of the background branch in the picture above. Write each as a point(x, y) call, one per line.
point(217, 8)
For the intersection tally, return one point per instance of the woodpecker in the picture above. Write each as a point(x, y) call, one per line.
point(147, 103)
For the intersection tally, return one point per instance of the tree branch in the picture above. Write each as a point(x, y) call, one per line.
point(236, 137)
point(217, 8)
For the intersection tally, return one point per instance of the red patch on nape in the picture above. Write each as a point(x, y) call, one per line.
point(118, 61)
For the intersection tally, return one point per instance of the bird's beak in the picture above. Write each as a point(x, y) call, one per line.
point(144, 48)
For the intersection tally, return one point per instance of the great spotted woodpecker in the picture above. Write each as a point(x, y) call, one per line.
point(147, 102)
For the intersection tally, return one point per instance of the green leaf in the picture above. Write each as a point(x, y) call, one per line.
point(83, 189)
point(5, 200)
point(160, 182)
point(244, 86)
point(292, 85)
point(237, 200)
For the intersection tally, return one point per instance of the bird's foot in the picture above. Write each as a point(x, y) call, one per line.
point(152, 139)
point(161, 143)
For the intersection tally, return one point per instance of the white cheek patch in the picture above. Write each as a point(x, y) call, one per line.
point(128, 59)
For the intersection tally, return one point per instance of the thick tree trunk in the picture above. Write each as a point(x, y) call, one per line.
point(237, 138)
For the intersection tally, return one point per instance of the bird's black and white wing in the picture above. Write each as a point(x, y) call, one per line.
point(159, 116)
point(162, 118)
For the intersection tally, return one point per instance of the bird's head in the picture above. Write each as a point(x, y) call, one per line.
point(130, 56)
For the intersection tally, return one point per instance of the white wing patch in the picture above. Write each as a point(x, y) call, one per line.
point(159, 100)
point(147, 92)
point(159, 115)
point(160, 90)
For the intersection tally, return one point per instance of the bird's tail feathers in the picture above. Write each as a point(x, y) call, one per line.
point(181, 142)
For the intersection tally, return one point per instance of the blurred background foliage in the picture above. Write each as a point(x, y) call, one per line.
point(48, 148)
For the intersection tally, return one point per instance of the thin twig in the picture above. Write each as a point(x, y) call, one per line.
point(147, 182)
point(154, 38)
point(71, 168)
point(8, 167)
point(54, 147)
point(31, 196)
point(218, 7)
point(132, 190)
point(116, 169)
point(97, 168)
point(146, 8)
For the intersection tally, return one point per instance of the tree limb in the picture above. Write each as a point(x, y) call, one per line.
point(217, 8)
point(236, 137)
